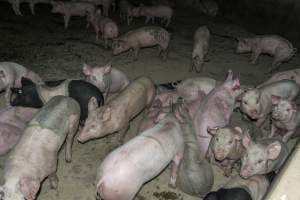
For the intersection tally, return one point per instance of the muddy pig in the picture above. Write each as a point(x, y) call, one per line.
point(237, 188)
point(286, 117)
point(257, 103)
point(216, 109)
point(69, 9)
point(124, 171)
point(11, 75)
point(31, 95)
point(106, 78)
point(125, 11)
point(262, 157)
point(293, 74)
point(278, 47)
point(117, 113)
point(200, 49)
point(195, 175)
point(147, 36)
point(34, 158)
point(225, 147)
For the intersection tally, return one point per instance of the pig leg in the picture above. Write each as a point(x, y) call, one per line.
point(168, 22)
point(7, 95)
point(147, 20)
point(67, 19)
point(53, 179)
point(31, 6)
point(287, 136)
point(227, 167)
point(136, 53)
point(254, 55)
point(273, 130)
point(174, 170)
point(73, 126)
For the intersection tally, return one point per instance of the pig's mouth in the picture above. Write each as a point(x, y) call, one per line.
point(220, 156)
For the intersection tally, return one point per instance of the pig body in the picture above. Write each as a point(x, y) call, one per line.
point(106, 4)
point(69, 9)
point(127, 168)
point(116, 114)
point(262, 157)
point(11, 75)
point(237, 188)
point(107, 79)
point(278, 47)
point(285, 117)
point(209, 7)
point(147, 36)
point(215, 110)
point(257, 103)
point(200, 49)
point(35, 156)
point(125, 11)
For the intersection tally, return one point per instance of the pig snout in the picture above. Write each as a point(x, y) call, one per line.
point(219, 155)
point(253, 114)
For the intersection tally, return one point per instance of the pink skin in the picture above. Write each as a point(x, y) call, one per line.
point(216, 109)
point(225, 148)
point(276, 46)
point(167, 97)
point(11, 75)
point(286, 117)
point(117, 113)
point(107, 79)
point(147, 36)
point(123, 172)
point(200, 49)
point(69, 9)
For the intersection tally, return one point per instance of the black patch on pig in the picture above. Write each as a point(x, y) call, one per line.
point(170, 85)
point(270, 176)
point(228, 194)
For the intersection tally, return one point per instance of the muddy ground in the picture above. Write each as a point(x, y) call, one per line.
point(41, 44)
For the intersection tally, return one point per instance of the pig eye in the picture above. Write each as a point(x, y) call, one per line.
point(217, 139)
point(230, 142)
point(93, 78)
point(288, 110)
point(245, 102)
point(259, 161)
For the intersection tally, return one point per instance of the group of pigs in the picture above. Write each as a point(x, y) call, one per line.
point(188, 125)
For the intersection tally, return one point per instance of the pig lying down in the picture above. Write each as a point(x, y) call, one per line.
point(34, 158)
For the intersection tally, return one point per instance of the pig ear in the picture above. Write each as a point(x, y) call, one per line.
point(86, 69)
point(229, 75)
point(2, 74)
point(29, 187)
point(26, 81)
point(273, 150)
point(238, 129)
point(93, 104)
point(106, 114)
point(247, 141)
point(275, 99)
point(213, 131)
point(236, 84)
point(107, 68)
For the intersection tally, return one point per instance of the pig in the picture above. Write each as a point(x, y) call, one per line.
point(146, 36)
point(123, 172)
point(195, 174)
point(69, 9)
point(280, 48)
point(285, 116)
point(209, 7)
point(15, 4)
point(106, 78)
point(117, 113)
point(216, 109)
point(125, 11)
point(10, 77)
point(32, 95)
point(237, 188)
point(257, 103)
point(293, 74)
point(106, 4)
point(166, 97)
point(105, 25)
point(189, 88)
point(34, 158)
point(225, 147)
point(262, 157)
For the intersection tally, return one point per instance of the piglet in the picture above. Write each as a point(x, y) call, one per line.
point(124, 171)
point(237, 188)
point(117, 113)
point(278, 47)
point(285, 117)
point(200, 49)
point(216, 109)
point(106, 78)
point(263, 156)
point(34, 158)
point(225, 147)
point(10, 77)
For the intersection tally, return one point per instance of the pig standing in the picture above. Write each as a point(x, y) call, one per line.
point(195, 175)
point(127, 168)
point(237, 188)
point(147, 36)
point(262, 157)
point(280, 48)
point(35, 156)
point(226, 147)
point(215, 110)
point(69, 9)
point(106, 78)
point(209, 7)
point(285, 116)
point(116, 114)
point(106, 4)
point(125, 11)
point(257, 103)
point(10, 77)
point(200, 49)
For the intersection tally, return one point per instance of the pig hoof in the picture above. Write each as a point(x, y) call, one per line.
point(171, 185)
